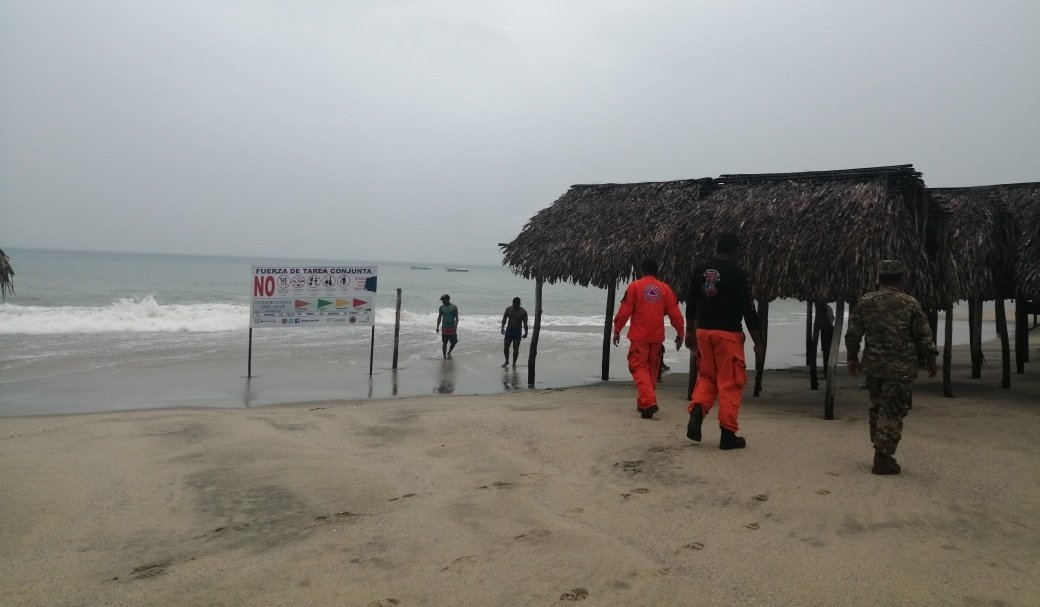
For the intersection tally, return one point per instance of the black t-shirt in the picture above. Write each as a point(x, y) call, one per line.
point(718, 297)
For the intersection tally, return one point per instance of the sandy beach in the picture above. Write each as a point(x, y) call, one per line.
point(544, 497)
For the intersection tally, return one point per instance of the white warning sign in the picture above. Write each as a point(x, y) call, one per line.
point(313, 296)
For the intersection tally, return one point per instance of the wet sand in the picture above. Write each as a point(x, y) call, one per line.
point(112, 377)
point(540, 497)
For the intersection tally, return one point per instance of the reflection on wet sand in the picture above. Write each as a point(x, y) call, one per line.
point(511, 381)
point(447, 378)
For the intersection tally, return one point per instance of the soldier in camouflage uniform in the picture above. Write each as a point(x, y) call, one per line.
point(897, 337)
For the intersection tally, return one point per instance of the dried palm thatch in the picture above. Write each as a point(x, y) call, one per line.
point(6, 275)
point(1023, 201)
point(810, 236)
point(976, 257)
point(598, 234)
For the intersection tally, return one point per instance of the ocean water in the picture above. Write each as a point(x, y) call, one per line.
point(74, 293)
point(92, 331)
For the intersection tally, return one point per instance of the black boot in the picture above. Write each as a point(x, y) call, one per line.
point(648, 413)
point(730, 440)
point(693, 428)
point(884, 464)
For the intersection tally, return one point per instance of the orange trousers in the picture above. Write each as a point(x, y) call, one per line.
point(720, 374)
point(644, 363)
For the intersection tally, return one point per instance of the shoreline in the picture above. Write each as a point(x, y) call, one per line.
point(112, 378)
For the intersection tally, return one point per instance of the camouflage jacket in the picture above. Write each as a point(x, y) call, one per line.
point(897, 334)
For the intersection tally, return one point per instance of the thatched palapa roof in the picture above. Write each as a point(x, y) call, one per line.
point(598, 234)
point(813, 236)
point(976, 253)
point(1023, 201)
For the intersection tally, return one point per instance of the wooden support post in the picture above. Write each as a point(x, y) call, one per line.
point(839, 321)
point(249, 363)
point(1005, 346)
point(397, 329)
point(975, 336)
point(608, 326)
point(810, 347)
point(933, 322)
point(533, 350)
point(760, 365)
point(810, 352)
point(826, 324)
point(372, 349)
point(1021, 333)
point(948, 353)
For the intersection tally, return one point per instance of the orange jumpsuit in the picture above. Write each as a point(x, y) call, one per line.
point(721, 374)
point(646, 302)
point(717, 301)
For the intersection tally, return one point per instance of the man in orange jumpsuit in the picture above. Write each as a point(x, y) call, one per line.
point(646, 302)
point(716, 302)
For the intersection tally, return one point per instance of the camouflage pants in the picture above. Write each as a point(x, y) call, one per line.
point(889, 404)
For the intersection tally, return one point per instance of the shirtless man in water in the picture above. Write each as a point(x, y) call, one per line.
point(514, 317)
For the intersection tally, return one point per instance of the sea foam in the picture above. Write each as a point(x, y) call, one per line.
point(146, 315)
point(130, 315)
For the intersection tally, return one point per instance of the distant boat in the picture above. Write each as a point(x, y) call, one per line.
point(420, 267)
point(456, 269)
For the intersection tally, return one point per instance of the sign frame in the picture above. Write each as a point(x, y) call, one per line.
point(312, 296)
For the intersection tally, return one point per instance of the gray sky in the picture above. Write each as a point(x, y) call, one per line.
point(431, 131)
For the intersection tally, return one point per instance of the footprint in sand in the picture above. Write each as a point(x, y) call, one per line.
point(323, 518)
point(752, 526)
point(823, 492)
point(694, 546)
point(149, 570)
point(630, 467)
point(761, 497)
point(533, 533)
point(460, 561)
point(394, 499)
point(578, 594)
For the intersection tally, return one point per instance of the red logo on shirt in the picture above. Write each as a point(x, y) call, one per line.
point(710, 278)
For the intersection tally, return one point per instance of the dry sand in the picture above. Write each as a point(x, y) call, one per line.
point(551, 497)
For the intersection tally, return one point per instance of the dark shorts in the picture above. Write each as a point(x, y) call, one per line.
point(514, 334)
point(449, 338)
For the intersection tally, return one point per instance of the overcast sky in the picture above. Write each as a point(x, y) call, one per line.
point(431, 131)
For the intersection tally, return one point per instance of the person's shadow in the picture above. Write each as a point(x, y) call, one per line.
point(447, 378)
